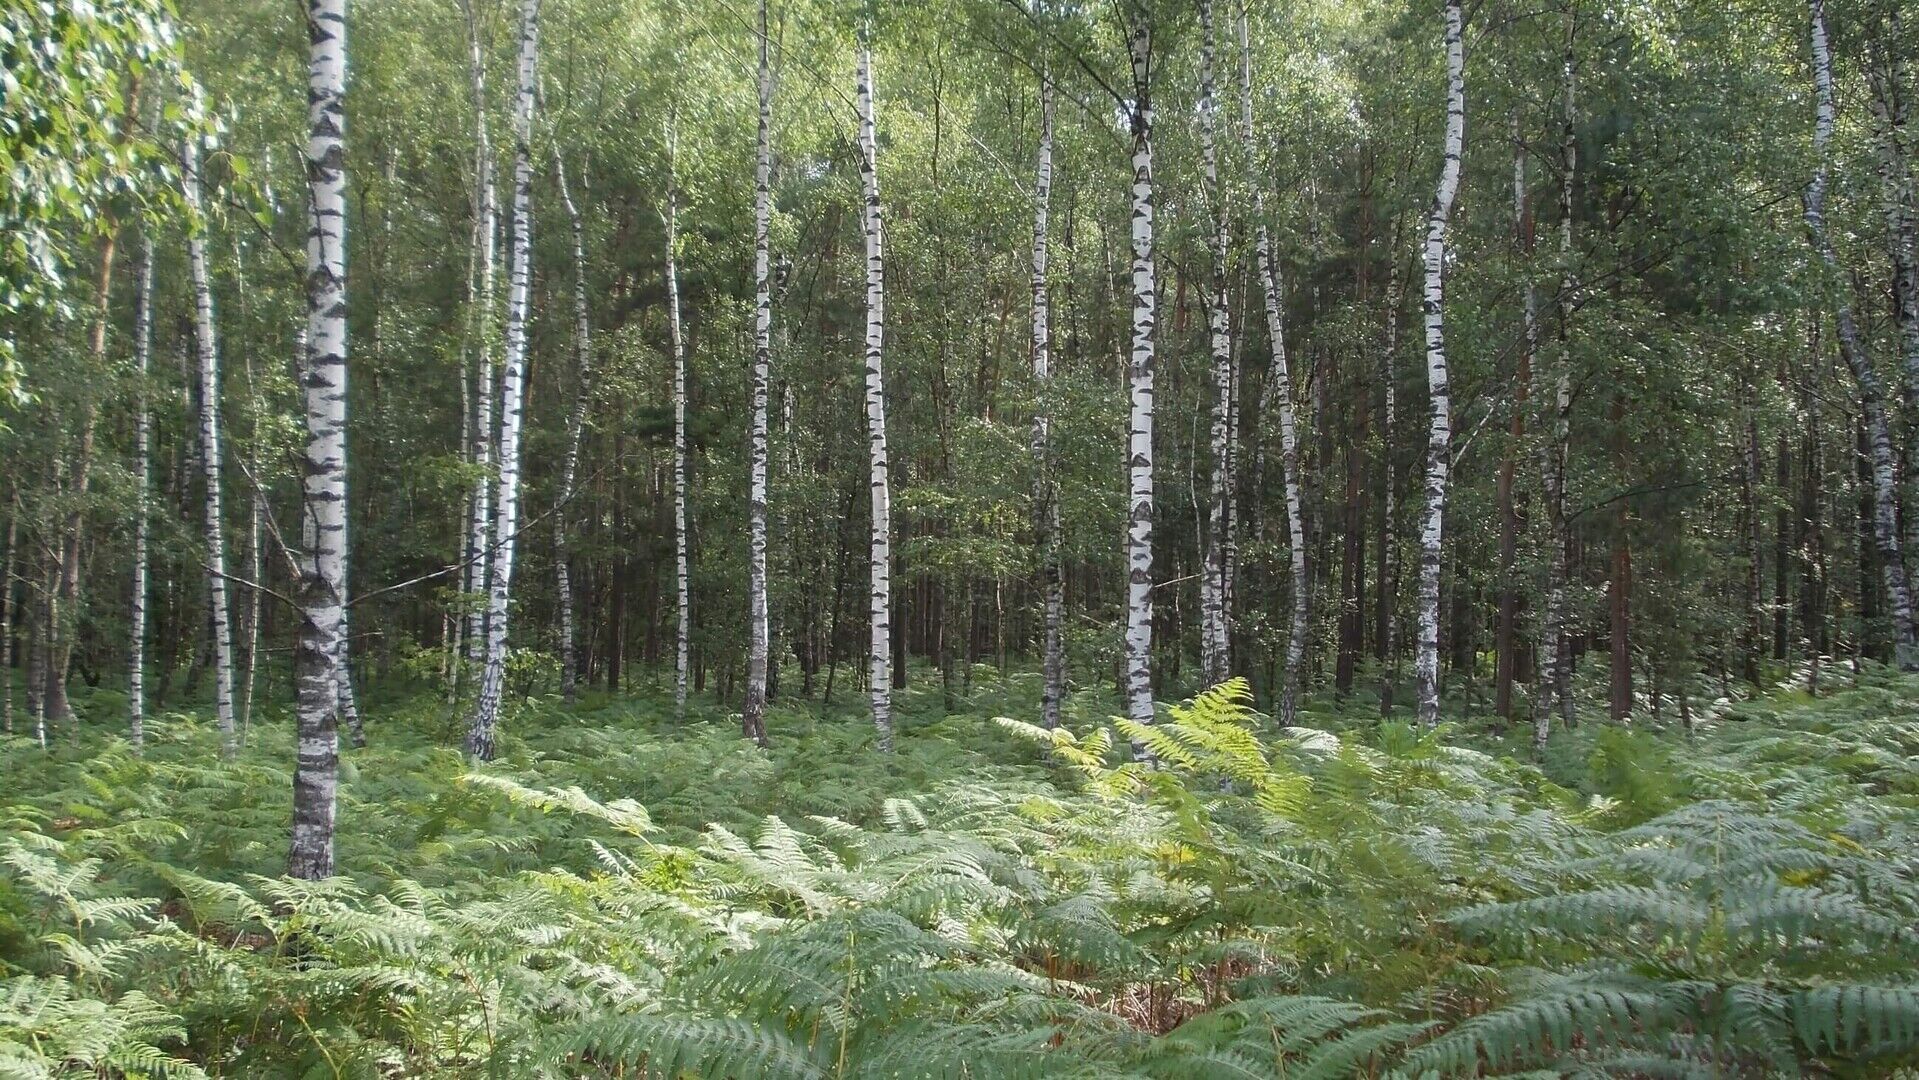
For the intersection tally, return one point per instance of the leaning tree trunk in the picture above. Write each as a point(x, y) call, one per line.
point(1902, 240)
point(1439, 440)
point(1554, 681)
point(881, 548)
point(683, 633)
point(142, 527)
point(753, 710)
point(575, 425)
point(486, 215)
point(1138, 683)
point(1215, 625)
point(486, 711)
point(1046, 514)
point(1277, 395)
point(1871, 394)
point(209, 377)
point(322, 597)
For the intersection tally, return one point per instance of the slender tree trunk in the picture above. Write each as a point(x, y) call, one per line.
point(142, 511)
point(683, 591)
point(250, 650)
point(1902, 240)
point(1749, 643)
point(486, 216)
point(1139, 387)
point(1812, 511)
point(1853, 350)
point(1046, 512)
point(8, 607)
point(66, 629)
point(322, 598)
point(209, 378)
point(575, 425)
point(1439, 443)
point(1506, 634)
point(1277, 395)
point(1386, 647)
point(486, 712)
point(881, 551)
point(1554, 682)
point(1215, 628)
point(753, 710)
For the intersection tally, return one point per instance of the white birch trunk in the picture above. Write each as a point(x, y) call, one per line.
point(1440, 436)
point(880, 554)
point(575, 426)
point(1139, 390)
point(1871, 394)
point(7, 620)
point(1276, 397)
point(1215, 628)
point(486, 711)
point(486, 214)
point(1902, 241)
point(753, 711)
point(215, 527)
point(1389, 509)
point(683, 633)
point(317, 657)
point(1554, 681)
point(142, 526)
point(1046, 513)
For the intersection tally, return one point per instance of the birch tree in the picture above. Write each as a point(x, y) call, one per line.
point(1439, 439)
point(8, 616)
point(880, 551)
point(1046, 513)
point(1215, 618)
point(480, 300)
point(317, 658)
point(575, 424)
point(1139, 389)
point(1852, 348)
point(753, 712)
point(486, 711)
point(1276, 397)
point(142, 510)
point(683, 630)
point(209, 381)
point(1554, 681)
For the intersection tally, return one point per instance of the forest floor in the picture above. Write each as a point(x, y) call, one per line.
point(626, 894)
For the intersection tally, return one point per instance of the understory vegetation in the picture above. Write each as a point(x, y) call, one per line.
point(621, 895)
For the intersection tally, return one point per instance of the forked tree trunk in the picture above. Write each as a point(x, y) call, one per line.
point(1276, 398)
point(1439, 439)
point(881, 548)
point(575, 425)
point(753, 710)
point(1046, 512)
point(1872, 401)
point(142, 509)
point(486, 711)
point(323, 484)
point(214, 523)
point(1138, 681)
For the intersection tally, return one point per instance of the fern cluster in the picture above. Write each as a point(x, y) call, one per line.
point(621, 897)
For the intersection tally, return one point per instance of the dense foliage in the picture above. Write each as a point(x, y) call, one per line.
point(617, 892)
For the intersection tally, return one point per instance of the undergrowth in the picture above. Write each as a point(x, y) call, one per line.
point(624, 895)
